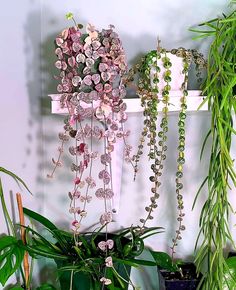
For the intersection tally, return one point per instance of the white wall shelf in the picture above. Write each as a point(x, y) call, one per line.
point(194, 99)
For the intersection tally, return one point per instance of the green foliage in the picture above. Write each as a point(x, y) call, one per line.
point(39, 218)
point(69, 16)
point(164, 261)
point(87, 258)
point(11, 249)
point(229, 281)
point(46, 286)
point(219, 88)
point(15, 177)
point(11, 256)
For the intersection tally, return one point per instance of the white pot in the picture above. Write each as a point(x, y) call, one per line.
point(176, 72)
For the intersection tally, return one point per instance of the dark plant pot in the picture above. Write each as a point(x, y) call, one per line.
point(231, 254)
point(175, 281)
point(84, 281)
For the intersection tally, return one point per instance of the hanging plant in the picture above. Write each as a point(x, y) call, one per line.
point(154, 77)
point(219, 88)
point(91, 67)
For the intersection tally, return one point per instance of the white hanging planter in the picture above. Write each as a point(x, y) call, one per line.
point(177, 76)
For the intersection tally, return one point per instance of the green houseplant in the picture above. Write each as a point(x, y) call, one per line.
point(219, 88)
point(91, 66)
point(79, 265)
point(159, 75)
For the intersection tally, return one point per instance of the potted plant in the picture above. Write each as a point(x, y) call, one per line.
point(91, 90)
point(159, 75)
point(183, 279)
point(82, 264)
point(219, 88)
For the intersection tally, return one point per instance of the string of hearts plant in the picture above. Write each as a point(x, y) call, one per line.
point(91, 67)
point(151, 93)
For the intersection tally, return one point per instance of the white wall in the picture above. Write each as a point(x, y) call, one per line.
point(29, 131)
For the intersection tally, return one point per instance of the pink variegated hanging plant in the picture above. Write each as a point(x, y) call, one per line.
point(91, 66)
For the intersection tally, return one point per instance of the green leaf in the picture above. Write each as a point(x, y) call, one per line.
point(17, 178)
point(69, 16)
point(129, 262)
point(5, 211)
point(46, 286)
point(40, 240)
point(80, 26)
point(134, 262)
point(85, 244)
point(11, 257)
point(230, 274)
point(43, 252)
point(16, 288)
point(39, 218)
point(164, 261)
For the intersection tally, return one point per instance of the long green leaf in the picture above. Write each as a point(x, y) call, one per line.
point(13, 175)
point(134, 262)
point(44, 253)
point(5, 211)
point(39, 218)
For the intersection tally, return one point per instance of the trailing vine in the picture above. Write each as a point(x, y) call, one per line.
point(151, 94)
point(181, 158)
point(91, 66)
point(219, 88)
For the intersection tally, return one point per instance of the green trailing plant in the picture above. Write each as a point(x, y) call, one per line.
point(148, 75)
point(156, 141)
point(219, 88)
point(181, 157)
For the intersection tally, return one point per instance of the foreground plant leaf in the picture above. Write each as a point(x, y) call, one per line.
point(219, 89)
point(230, 274)
point(46, 287)
point(39, 218)
point(164, 261)
point(17, 178)
point(11, 257)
